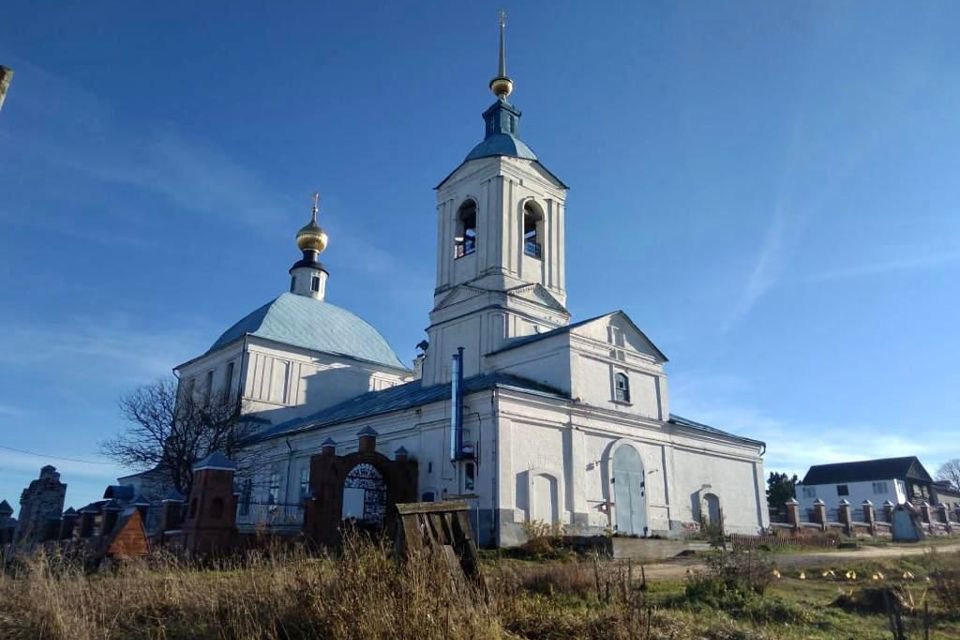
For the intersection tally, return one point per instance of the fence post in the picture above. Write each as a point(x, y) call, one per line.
point(820, 513)
point(870, 517)
point(888, 511)
point(793, 514)
point(845, 516)
point(925, 514)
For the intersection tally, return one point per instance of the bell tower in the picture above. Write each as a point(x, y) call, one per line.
point(500, 244)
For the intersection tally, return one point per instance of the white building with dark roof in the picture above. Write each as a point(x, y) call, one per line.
point(894, 480)
point(527, 415)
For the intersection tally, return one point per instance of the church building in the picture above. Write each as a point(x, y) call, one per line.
point(528, 414)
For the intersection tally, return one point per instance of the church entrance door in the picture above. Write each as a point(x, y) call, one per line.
point(629, 493)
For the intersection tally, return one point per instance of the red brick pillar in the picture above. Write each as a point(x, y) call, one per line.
point(211, 521)
point(820, 513)
point(888, 511)
point(870, 516)
point(793, 513)
point(846, 517)
point(368, 440)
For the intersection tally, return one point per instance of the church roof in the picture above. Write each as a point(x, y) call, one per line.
point(867, 470)
point(398, 398)
point(705, 428)
point(313, 324)
point(502, 144)
point(524, 340)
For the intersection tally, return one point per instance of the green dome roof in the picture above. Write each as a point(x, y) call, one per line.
point(305, 322)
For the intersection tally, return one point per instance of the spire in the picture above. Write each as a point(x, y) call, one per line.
point(502, 85)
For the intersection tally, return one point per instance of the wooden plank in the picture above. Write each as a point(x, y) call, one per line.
point(431, 507)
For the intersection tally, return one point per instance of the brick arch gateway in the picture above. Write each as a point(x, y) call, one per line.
point(331, 475)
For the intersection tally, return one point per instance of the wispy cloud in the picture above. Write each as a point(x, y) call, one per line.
point(910, 263)
point(23, 463)
point(74, 128)
point(117, 350)
point(10, 410)
point(767, 268)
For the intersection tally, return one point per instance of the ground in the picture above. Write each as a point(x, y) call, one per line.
point(364, 593)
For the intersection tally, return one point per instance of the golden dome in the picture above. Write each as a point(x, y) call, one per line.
point(312, 238)
point(501, 86)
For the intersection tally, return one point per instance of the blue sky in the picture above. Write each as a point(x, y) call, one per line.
point(768, 189)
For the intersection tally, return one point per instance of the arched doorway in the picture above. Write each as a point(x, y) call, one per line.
point(629, 492)
point(364, 496)
point(711, 510)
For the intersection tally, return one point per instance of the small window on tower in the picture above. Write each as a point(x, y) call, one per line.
point(622, 387)
point(532, 231)
point(465, 241)
point(293, 283)
point(315, 284)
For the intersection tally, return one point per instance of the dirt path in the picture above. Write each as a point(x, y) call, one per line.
point(680, 567)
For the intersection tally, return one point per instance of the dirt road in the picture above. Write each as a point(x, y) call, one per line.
point(679, 567)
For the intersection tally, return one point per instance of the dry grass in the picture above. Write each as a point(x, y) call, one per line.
point(364, 593)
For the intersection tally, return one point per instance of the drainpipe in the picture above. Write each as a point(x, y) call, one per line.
point(495, 445)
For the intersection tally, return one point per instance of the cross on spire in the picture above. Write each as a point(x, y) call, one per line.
point(316, 205)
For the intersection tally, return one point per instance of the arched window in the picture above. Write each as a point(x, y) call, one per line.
point(532, 231)
point(622, 387)
point(216, 508)
point(193, 508)
point(465, 241)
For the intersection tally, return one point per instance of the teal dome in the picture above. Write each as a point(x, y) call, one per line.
point(313, 324)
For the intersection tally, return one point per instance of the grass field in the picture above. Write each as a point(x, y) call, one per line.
point(364, 593)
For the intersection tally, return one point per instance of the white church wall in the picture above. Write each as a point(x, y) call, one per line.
point(593, 380)
point(546, 361)
point(283, 382)
point(738, 483)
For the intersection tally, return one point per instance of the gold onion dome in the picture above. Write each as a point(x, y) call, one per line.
point(311, 237)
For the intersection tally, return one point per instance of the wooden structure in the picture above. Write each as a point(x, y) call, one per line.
point(443, 527)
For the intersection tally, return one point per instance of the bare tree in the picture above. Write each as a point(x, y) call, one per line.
point(171, 434)
point(949, 471)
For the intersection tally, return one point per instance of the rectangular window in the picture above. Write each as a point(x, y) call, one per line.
point(880, 487)
point(809, 492)
point(228, 380)
point(245, 498)
point(843, 490)
point(273, 489)
point(469, 479)
point(304, 483)
point(622, 387)
point(315, 284)
point(208, 389)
